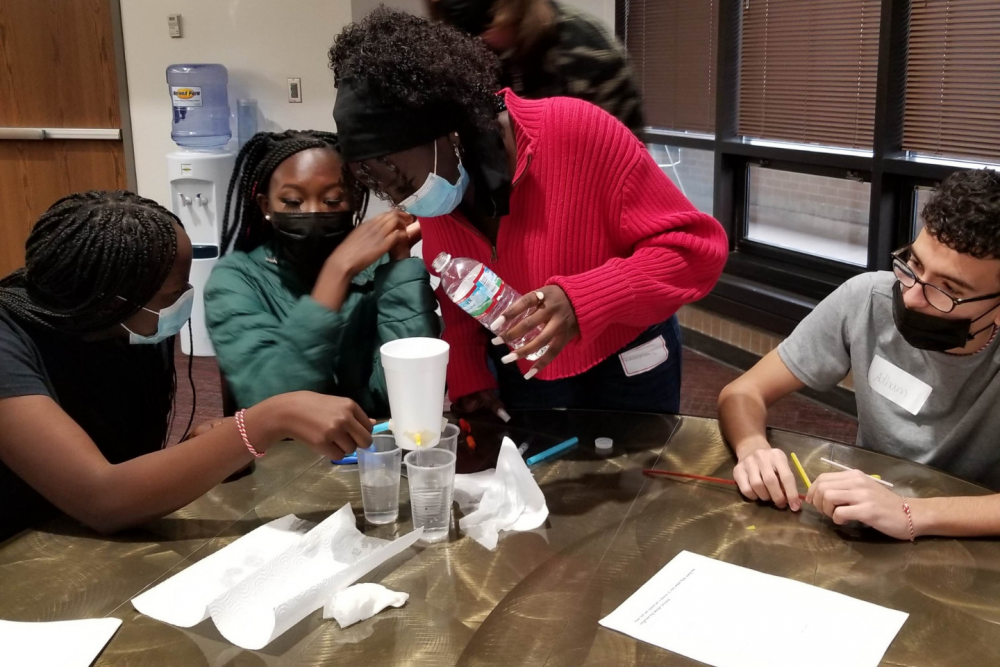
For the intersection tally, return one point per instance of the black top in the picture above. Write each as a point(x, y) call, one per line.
point(120, 394)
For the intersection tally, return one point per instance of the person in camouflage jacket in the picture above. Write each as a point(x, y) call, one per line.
point(551, 50)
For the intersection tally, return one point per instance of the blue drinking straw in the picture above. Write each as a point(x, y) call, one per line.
point(552, 451)
point(353, 458)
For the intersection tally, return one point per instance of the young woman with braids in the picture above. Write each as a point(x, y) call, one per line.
point(310, 293)
point(86, 375)
point(554, 195)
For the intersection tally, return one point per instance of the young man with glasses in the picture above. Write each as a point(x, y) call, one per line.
point(922, 344)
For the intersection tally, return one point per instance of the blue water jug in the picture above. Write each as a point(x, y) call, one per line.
point(201, 105)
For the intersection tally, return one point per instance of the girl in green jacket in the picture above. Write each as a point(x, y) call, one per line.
point(310, 294)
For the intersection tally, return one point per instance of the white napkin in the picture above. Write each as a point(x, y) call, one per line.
point(62, 643)
point(267, 581)
point(360, 602)
point(507, 498)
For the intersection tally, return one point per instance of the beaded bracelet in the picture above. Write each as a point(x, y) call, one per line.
point(241, 425)
point(909, 519)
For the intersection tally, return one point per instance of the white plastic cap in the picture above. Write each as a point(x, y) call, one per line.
point(603, 444)
point(440, 262)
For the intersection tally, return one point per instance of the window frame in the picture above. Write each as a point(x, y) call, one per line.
point(774, 288)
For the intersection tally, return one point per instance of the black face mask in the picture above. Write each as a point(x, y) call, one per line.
point(934, 334)
point(470, 16)
point(305, 240)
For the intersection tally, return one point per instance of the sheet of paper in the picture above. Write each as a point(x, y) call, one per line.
point(62, 643)
point(729, 616)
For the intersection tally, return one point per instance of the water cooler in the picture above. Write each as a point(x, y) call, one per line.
point(199, 175)
point(198, 182)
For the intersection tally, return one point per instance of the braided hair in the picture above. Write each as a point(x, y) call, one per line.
point(86, 251)
point(93, 260)
point(255, 165)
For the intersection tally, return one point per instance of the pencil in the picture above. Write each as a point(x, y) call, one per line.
point(802, 472)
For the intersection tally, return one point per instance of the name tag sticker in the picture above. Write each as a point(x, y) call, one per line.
point(644, 358)
point(897, 385)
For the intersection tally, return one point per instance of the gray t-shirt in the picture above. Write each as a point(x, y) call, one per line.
point(958, 427)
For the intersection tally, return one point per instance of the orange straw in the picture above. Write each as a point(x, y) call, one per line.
point(717, 480)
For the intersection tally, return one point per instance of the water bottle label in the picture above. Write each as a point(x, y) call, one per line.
point(186, 96)
point(479, 301)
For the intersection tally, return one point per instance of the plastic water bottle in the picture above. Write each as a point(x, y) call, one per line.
point(482, 294)
point(201, 105)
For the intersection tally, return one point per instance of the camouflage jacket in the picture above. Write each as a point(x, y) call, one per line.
point(580, 60)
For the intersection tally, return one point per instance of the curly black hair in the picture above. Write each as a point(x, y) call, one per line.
point(255, 165)
point(415, 63)
point(964, 213)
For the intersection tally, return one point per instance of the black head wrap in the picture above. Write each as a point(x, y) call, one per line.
point(471, 16)
point(370, 127)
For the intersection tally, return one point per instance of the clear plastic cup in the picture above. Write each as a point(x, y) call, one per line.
point(449, 439)
point(431, 475)
point(378, 467)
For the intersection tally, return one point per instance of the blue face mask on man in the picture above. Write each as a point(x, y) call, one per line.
point(437, 196)
point(170, 320)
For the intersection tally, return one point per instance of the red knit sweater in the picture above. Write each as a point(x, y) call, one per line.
point(592, 213)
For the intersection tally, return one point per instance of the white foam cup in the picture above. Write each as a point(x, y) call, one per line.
point(415, 370)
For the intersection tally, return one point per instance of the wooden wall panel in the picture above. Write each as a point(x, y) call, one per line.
point(57, 65)
point(34, 174)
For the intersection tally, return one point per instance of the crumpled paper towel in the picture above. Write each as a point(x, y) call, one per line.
point(360, 602)
point(267, 581)
point(505, 498)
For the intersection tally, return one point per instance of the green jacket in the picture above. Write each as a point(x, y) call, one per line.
point(271, 337)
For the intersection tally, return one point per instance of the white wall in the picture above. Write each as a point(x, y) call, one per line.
point(261, 42)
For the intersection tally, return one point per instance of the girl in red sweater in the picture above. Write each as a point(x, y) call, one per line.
point(556, 196)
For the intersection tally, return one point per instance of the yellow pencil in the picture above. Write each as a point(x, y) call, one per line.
point(802, 472)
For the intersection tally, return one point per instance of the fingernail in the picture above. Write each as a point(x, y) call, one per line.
point(502, 414)
point(497, 341)
point(531, 373)
point(498, 323)
point(509, 358)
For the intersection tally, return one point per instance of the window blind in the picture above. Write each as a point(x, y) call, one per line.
point(672, 44)
point(953, 79)
point(808, 71)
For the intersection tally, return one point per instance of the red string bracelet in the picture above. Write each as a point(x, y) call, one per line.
point(241, 425)
point(909, 520)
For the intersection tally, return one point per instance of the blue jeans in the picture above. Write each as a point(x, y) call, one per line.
point(606, 386)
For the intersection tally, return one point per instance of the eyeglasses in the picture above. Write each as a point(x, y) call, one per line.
point(935, 296)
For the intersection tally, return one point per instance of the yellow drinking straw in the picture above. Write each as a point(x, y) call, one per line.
point(802, 472)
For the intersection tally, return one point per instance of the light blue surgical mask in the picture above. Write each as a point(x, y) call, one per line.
point(437, 196)
point(170, 320)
